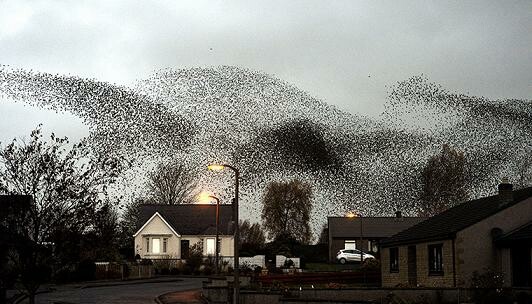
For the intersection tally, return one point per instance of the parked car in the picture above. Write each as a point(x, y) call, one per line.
point(352, 255)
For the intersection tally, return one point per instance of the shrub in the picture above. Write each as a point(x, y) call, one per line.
point(86, 270)
point(208, 270)
point(187, 270)
point(175, 271)
point(146, 262)
point(195, 257)
point(246, 268)
point(230, 269)
point(371, 265)
point(288, 263)
point(488, 288)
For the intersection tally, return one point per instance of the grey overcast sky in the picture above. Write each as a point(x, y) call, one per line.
point(344, 52)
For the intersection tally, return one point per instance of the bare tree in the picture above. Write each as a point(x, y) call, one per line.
point(129, 223)
point(324, 235)
point(444, 182)
point(171, 183)
point(251, 234)
point(67, 186)
point(286, 210)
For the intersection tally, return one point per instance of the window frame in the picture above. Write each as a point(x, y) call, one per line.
point(394, 259)
point(147, 245)
point(165, 245)
point(435, 259)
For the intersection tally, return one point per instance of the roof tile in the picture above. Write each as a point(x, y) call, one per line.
point(189, 219)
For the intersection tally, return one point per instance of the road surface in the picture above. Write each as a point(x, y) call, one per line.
point(134, 293)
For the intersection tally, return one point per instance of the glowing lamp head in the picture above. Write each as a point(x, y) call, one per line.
point(215, 167)
point(351, 214)
point(204, 197)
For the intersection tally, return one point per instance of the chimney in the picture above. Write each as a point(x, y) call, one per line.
point(506, 194)
point(398, 214)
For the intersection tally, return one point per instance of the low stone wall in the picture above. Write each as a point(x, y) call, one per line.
point(215, 294)
point(221, 294)
point(380, 295)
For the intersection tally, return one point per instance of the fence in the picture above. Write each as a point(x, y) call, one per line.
point(258, 260)
point(116, 271)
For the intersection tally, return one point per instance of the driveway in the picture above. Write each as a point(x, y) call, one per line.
point(134, 294)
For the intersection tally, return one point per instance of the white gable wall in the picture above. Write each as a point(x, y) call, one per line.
point(157, 228)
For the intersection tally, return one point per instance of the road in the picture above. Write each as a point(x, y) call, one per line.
point(134, 294)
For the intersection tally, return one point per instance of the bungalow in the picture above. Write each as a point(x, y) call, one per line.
point(445, 250)
point(169, 231)
point(364, 233)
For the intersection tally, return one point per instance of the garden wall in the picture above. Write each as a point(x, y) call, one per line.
point(351, 295)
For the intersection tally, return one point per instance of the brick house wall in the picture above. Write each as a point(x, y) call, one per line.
point(391, 279)
point(474, 251)
point(423, 276)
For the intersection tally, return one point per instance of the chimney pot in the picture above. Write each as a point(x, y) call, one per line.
point(506, 194)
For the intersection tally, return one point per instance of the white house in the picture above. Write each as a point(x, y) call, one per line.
point(169, 231)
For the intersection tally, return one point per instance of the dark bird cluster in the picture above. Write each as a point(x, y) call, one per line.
point(273, 131)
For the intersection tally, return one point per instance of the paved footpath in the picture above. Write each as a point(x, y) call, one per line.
point(181, 297)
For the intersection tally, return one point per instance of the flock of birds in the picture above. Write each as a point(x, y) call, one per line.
point(271, 130)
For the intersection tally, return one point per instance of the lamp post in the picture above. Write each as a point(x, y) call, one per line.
point(217, 253)
point(236, 283)
point(362, 251)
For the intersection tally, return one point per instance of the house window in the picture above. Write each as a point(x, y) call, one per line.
point(394, 259)
point(436, 259)
point(210, 246)
point(350, 244)
point(147, 244)
point(156, 245)
point(165, 244)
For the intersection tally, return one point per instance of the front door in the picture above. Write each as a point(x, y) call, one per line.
point(521, 267)
point(185, 249)
point(412, 266)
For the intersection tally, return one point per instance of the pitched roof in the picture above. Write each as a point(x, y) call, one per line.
point(372, 227)
point(446, 224)
point(189, 219)
point(522, 234)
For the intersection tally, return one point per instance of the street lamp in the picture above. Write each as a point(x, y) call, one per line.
point(236, 291)
point(204, 197)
